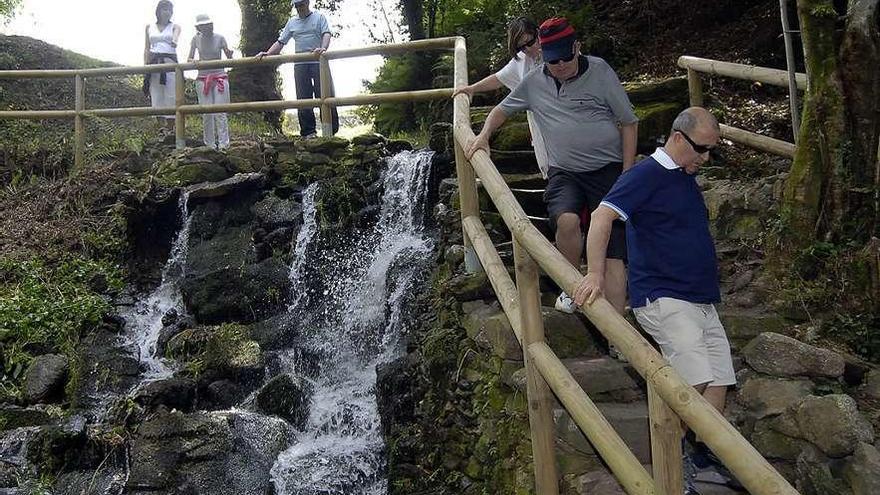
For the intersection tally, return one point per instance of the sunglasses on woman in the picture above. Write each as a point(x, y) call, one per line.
point(527, 44)
point(698, 148)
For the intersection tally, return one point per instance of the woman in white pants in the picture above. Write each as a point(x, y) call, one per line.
point(212, 85)
point(160, 47)
point(525, 55)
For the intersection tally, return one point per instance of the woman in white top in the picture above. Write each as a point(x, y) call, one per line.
point(160, 47)
point(525, 55)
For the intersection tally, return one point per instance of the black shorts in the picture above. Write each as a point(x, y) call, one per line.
point(580, 193)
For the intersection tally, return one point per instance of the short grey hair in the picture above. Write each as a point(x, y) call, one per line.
point(688, 120)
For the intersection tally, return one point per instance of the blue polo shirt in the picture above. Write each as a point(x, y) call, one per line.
point(306, 32)
point(670, 249)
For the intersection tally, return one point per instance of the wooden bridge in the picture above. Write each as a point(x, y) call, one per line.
point(671, 400)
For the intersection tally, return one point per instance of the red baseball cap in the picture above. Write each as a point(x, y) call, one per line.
point(557, 38)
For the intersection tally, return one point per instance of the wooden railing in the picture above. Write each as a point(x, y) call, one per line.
point(181, 109)
point(670, 399)
point(774, 77)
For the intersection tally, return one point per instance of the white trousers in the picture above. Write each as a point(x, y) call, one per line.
point(216, 132)
point(163, 95)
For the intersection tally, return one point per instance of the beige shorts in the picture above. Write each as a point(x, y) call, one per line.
point(692, 338)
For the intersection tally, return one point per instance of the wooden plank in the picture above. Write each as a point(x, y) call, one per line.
point(326, 84)
point(695, 88)
point(540, 398)
point(467, 184)
point(394, 48)
point(774, 77)
point(37, 114)
point(79, 141)
point(614, 451)
point(179, 117)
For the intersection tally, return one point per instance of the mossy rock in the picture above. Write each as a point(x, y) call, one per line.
point(512, 136)
point(12, 417)
point(368, 139)
point(325, 145)
point(226, 348)
point(667, 90)
point(655, 120)
point(195, 173)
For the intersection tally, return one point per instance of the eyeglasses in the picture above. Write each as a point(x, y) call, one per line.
point(563, 59)
point(527, 44)
point(698, 148)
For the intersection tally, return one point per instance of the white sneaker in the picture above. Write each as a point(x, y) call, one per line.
point(313, 135)
point(565, 303)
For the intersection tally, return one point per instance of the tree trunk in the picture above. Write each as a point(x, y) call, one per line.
point(260, 22)
point(412, 16)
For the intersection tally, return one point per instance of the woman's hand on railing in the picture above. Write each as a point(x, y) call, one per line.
point(468, 90)
point(591, 287)
point(481, 142)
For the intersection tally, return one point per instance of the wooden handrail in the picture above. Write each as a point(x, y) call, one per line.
point(756, 474)
point(766, 75)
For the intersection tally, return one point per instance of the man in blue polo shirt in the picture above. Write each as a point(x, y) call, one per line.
point(590, 132)
point(311, 34)
point(673, 271)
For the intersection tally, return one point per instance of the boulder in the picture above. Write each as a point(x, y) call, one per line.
point(288, 397)
point(778, 355)
point(325, 145)
point(488, 326)
point(238, 182)
point(833, 423)
point(737, 209)
point(206, 452)
point(603, 379)
point(12, 417)
point(772, 444)
point(764, 396)
point(598, 482)
point(223, 394)
point(567, 334)
point(871, 388)
point(512, 136)
point(368, 139)
point(863, 470)
point(630, 421)
point(469, 286)
point(743, 325)
point(274, 212)
point(814, 476)
point(45, 378)
point(177, 392)
point(655, 120)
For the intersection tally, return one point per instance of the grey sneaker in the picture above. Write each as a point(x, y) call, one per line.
point(313, 135)
point(565, 303)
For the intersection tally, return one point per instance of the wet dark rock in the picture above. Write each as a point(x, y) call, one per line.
point(288, 397)
point(104, 367)
point(45, 378)
point(171, 330)
point(177, 392)
point(208, 452)
point(469, 287)
point(12, 417)
point(325, 145)
point(395, 146)
point(55, 448)
point(8, 475)
point(814, 475)
point(274, 212)
point(395, 394)
point(368, 140)
point(170, 317)
point(274, 333)
point(223, 394)
point(236, 183)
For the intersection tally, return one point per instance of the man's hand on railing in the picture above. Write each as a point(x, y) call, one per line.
point(260, 55)
point(319, 50)
point(591, 287)
point(481, 142)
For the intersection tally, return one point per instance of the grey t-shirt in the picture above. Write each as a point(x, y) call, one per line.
point(209, 48)
point(306, 32)
point(580, 119)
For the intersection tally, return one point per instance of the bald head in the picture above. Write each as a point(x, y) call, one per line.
point(692, 118)
point(694, 134)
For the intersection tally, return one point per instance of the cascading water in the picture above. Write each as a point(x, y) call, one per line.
point(144, 319)
point(354, 320)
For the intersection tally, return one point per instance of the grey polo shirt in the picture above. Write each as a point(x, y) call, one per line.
point(579, 118)
point(306, 32)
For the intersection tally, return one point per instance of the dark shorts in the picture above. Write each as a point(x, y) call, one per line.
point(580, 193)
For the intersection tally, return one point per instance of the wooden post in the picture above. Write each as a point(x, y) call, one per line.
point(467, 180)
point(695, 88)
point(180, 117)
point(666, 437)
point(78, 124)
point(326, 92)
point(540, 398)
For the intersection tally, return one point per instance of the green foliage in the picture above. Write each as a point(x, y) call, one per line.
point(860, 331)
point(46, 307)
point(8, 8)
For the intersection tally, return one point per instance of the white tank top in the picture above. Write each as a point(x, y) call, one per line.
point(160, 41)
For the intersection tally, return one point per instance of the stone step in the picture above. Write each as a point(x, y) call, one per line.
point(604, 379)
point(602, 482)
point(629, 420)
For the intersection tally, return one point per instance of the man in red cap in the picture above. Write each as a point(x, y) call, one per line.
point(590, 134)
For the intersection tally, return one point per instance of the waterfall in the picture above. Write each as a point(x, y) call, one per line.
point(354, 320)
point(143, 321)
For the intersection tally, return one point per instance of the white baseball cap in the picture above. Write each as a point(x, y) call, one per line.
point(203, 19)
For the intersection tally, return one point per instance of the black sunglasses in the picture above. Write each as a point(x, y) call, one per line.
point(698, 148)
point(563, 59)
point(527, 44)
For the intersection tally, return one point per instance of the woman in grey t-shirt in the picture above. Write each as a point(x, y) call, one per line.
point(212, 85)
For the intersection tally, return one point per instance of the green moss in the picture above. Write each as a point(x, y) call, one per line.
point(48, 306)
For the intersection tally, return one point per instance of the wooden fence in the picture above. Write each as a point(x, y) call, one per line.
point(671, 400)
point(774, 77)
point(181, 109)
